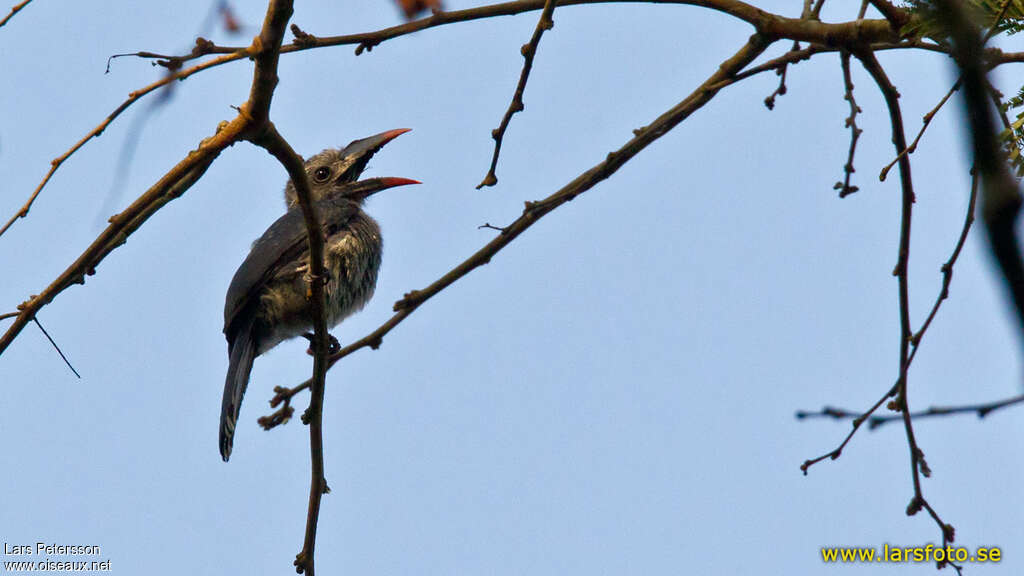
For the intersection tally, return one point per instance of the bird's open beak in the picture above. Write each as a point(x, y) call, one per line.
point(370, 186)
point(364, 148)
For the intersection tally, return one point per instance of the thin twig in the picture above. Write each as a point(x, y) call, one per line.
point(780, 90)
point(927, 119)
point(918, 464)
point(947, 266)
point(858, 421)
point(55, 347)
point(868, 415)
point(947, 278)
point(14, 10)
point(528, 50)
point(95, 132)
point(844, 187)
point(874, 422)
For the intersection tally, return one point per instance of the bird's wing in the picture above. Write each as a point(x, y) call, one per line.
point(282, 245)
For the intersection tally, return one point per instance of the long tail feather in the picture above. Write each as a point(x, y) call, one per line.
point(243, 351)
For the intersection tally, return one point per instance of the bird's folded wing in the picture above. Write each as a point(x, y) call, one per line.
point(281, 246)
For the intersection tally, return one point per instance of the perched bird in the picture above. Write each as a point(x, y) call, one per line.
point(266, 301)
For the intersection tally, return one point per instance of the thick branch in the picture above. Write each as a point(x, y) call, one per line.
point(170, 186)
point(772, 25)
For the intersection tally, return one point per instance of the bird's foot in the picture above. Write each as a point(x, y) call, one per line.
point(332, 343)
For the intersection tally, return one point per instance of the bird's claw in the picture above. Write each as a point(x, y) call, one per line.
point(332, 343)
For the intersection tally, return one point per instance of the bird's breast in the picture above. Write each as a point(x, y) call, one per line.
point(352, 258)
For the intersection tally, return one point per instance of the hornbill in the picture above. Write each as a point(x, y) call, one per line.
point(266, 302)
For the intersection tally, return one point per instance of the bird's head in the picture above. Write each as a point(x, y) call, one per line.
point(331, 169)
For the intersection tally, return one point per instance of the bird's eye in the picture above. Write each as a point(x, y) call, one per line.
point(322, 174)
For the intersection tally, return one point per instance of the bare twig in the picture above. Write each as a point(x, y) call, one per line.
point(868, 415)
point(851, 122)
point(55, 347)
point(947, 267)
point(858, 421)
point(14, 10)
point(875, 421)
point(528, 50)
point(95, 132)
point(927, 119)
point(918, 464)
point(780, 90)
point(490, 226)
point(980, 410)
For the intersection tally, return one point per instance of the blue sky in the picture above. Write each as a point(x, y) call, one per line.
point(613, 394)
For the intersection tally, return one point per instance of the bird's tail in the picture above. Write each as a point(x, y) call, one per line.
point(242, 353)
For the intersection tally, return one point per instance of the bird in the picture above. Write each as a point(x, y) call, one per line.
point(266, 301)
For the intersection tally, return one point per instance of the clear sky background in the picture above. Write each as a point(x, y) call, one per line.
point(613, 394)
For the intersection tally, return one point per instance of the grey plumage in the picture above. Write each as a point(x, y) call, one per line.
point(266, 301)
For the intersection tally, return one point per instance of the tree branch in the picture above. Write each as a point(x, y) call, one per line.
point(1001, 200)
point(844, 187)
point(98, 130)
point(14, 10)
point(898, 17)
point(825, 36)
point(980, 410)
point(726, 74)
point(918, 464)
point(545, 22)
